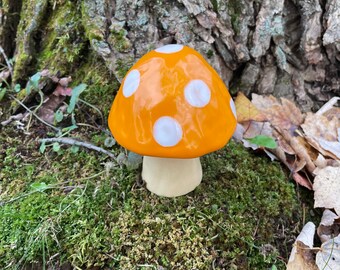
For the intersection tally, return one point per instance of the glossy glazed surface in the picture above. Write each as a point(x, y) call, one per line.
point(172, 103)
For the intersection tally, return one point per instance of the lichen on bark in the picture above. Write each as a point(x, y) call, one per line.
point(294, 39)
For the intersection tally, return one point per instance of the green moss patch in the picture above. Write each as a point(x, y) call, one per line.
point(96, 214)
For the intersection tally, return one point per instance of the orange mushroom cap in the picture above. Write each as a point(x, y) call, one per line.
point(172, 104)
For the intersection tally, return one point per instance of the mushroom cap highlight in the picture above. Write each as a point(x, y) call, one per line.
point(172, 104)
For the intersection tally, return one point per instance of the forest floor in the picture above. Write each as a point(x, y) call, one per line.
point(64, 207)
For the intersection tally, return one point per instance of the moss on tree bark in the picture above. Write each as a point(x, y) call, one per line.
point(286, 48)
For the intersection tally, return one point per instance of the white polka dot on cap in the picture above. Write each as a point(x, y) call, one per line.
point(197, 93)
point(131, 83)
point(167, 131)
point(171, 48)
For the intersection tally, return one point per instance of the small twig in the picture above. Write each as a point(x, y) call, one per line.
point(36, 109)
point(52, 258)
point(328, 105)
point(71, 141)
point(30, 111)
point(12, 118)
point(93, 107)
point(97, 128)
point(7, 61)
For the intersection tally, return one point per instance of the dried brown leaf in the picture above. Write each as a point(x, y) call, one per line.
point(253, 129)
point(329, 226)
point(329, 105)
point(299, 149)
point(322, 134)
point(320, 162)
point(302, 180)
point(246, 111)
point(284, 115)
point(331, 113)
point(302, 257)
point(264, 102)
point(319, 126)
point(327, 188)
point(49, 107)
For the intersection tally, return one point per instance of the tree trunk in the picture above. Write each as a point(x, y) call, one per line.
point(286, 48)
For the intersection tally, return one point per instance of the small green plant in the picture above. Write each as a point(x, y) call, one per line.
point(93, 217)
point(263, 141)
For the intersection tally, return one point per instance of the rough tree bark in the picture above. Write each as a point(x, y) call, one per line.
point(287, 48)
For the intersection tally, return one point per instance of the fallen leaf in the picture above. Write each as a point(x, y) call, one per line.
point(49, 107)
point(283, 144)
point(322, 134)
point(285, 118)
point(301, 256)
point(246, 111)
point(270, 155)
point(301, 180)
point(328, 106)
point(329, 226)
point(328, 258)
point(253, 129)
point(62, 91)
point(299, 149)
point(333, 147)
point(327, 188)
point(264, 102)
point(284, 115)
point(263, 141)
point(239, 131)
point(320, 162)
point(333, 112)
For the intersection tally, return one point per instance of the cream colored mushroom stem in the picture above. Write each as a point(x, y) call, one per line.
point(171, 177)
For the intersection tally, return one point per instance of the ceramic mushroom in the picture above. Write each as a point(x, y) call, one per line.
point(172, 108)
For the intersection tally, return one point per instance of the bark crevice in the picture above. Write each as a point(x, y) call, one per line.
point(286, 48)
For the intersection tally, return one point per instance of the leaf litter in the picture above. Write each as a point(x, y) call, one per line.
point(308, 144)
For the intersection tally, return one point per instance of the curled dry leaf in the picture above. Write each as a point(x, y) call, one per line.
point(320, 162)
point(302, 180)
point(301, 257)
point(329, 226)
point(264, 102)
point(246, 111)
point(284, 115)
point(328, 258)
point(285, 118)
point(299, 149)
point(323, 134)
point(306, 142)
point(327, 188)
